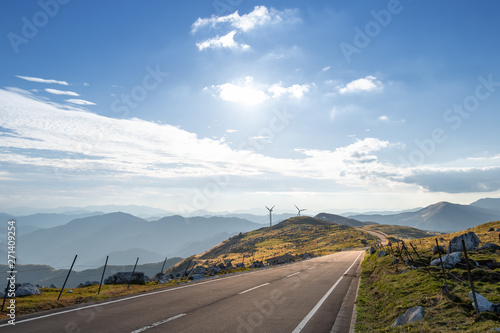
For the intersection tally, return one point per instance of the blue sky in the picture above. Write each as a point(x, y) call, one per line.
point(232, 104)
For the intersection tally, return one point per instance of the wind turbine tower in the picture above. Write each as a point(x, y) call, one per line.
point(299, 210)
point(270, 215)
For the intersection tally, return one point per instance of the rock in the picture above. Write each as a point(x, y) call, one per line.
point(87, 284)
point(221, 266)
point(381, 253)
point(491, 229)
point(27, 289)
point(196, 277)
point(372, 250)
point(53, 286)
point(395, 261)
point(125, 277)
point(410, 316)
point(240, 265)
point(257, 264)
point(70, 291)
point(483, 304)
point(489, 246)
point(471, 242)
point(437, 249)
point(449, 260)
point(498, 229)
point(199, 270)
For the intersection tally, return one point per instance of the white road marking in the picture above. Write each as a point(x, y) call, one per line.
point(293, 274)
point(158, 323)
point(304, 321)
point(262, 285)
point(311, 268)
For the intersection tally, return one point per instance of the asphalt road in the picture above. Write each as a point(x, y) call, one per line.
point(301, 297)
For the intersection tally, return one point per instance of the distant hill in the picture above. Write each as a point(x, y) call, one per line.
point(399, 231)
point(92, 238)
point(488, 203)
point(262, 219)
point(46, 275)
point(337, 219)
point(442, 217)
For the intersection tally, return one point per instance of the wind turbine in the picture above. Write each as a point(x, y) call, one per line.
point(299, 210)
point(270, 216)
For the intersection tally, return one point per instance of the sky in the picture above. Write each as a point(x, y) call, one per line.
point(233, 105)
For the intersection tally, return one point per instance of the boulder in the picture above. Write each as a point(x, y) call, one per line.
point(471, 242)
point(87, 284)
point(27, 289)
point(70, 291)
point(53, 286)
point(196, 277)
point(449, 260)
point(489, 246)
point(240, 265)
point(125, 277)
point(372, 250)
point(491, 229)
point(483, 304)
point(199, 270)
point(257, 264)
point(436, 249)
point(221, 266)
point(381, 253)
point(411, 315)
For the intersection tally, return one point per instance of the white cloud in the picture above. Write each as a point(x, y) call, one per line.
point(231, 131)
point(383, 118)
point(245, 93)
point(249, 93)
point(296, 90)
point(79, 101)
point(369, 83)
point(258, 17)
point(226, 41)
point(36, 79)
point(61, 92)
point(324, 69)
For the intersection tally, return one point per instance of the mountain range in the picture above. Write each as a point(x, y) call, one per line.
point(442, 216)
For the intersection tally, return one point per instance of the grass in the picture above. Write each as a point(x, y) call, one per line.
point(400, 232)
point(386, 292)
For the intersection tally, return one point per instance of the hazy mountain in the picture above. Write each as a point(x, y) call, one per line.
point(92, 238)
point(262, 219)
point(127, 257)
point(488, 203)
point(442, 216)
point(141, 211)
point(46, 275)
point(337, 219)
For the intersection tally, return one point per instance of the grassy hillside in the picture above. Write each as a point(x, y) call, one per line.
point(387, 290)
point(296, 236)
point(400, 232)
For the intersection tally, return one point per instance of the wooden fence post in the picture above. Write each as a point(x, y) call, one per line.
point(442, 267)
point(67, 276)
point(102, 277)
point(470, 277)
point(132, 276)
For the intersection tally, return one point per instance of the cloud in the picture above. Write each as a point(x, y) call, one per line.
point(296, 90)
point(79, 101)
point(231, 131)
point(369, 83)
point(226, 41)
point(249, 93)
point(61, 92)
point(258, 17)
point(35, 79)
point(383, 118)
point(456, 180)
point(324, 69)
point(245, 93)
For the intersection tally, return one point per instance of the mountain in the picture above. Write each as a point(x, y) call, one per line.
point(337, 219)
point(262, 219)
point(92, 238)
point(141, 211)
point(442, 217)
point(488, 203)
point(46, 275)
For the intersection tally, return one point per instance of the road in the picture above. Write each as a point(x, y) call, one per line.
point(306, 296)
point(379, 234)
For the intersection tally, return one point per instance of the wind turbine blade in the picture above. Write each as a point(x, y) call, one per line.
point(296, 207)
point(273, 207)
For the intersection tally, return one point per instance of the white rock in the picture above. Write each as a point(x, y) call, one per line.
point(449, 260)
point(411, 315)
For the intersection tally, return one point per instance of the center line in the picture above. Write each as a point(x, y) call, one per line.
point(293, 274)
point(158, 323)
point(262, 285)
